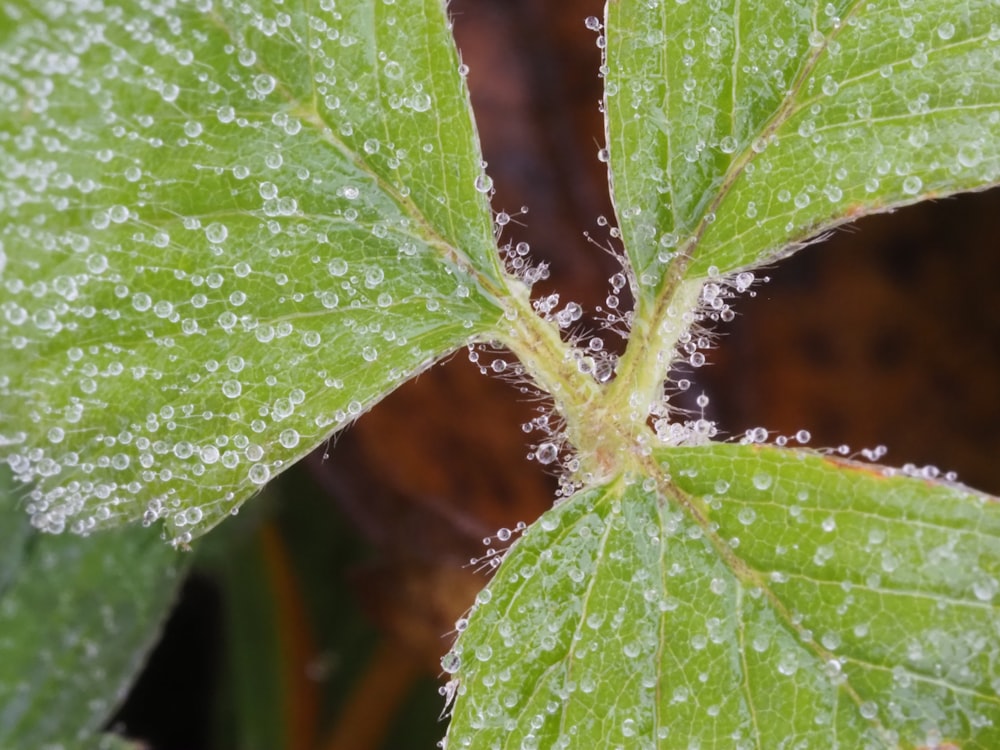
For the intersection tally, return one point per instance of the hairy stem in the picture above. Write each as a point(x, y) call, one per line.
point(652, 350)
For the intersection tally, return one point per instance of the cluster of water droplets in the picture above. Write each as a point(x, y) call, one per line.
point(207, 265)
point(496, 547)
point(672, 423)
point(810, 533)
point(517, 260)
point(842, 142)
point(844, 590)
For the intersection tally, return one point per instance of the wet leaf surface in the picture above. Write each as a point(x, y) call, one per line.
point(739, 129)
point(751, 596)
point(231, 229)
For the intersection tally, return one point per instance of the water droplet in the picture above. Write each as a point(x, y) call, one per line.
point(484, 183)
point(264, 84)
point(259, 473)
point(762, 480)
point(546, 453)
point(289, 438)
point(986, 589)
point(216, 232)
point(141, 301)
point(169, 92)
point(788, 663)
point(912, 185)
point(420, 102)
point(451, 662)
point(970, 154)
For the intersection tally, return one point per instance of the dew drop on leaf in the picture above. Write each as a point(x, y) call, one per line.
point(970, 154)
point(216, 232)
point(259, 474)
point(451, 662)
point(264, 84)
point(484, 183)
point(289, 438)
point(912, 185)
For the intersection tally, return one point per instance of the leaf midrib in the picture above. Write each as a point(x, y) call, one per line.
point(309, 114)
point(746, 574)
point(786, 110)
point(643, 350)
point(749, 576)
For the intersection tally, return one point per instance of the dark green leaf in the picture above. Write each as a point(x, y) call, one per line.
point(77, 617)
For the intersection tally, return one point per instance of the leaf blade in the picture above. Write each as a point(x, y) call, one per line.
point(259, 222)
point(77, 618)
point(765, 127)
point(677, 633)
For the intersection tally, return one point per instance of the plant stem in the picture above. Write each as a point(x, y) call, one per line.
point(652, 350)
point(606, 424)
point(547, 359)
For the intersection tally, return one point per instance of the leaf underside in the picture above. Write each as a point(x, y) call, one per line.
point(229, 229)
point(754, 598)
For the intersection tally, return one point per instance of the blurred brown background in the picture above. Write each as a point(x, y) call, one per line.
point(886, 334)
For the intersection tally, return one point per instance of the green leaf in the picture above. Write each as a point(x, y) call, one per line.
point(737, 130)
point(753, 597)
point(228, 229)
point(77, 618)
point(112, 742)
